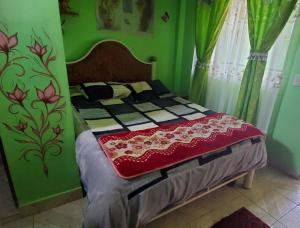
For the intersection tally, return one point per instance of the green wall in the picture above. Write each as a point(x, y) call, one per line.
point(36, 123)
point(172, 42)
point(284, 138)
point(36, 120)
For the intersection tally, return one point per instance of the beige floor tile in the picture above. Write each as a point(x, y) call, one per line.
point(292, 219)
point(270, 198)
point(224, 194)
point(293, 195)
point(278, 225)
point(84, 203)
point(74, 208)
point(244, 202)
point(66, 216)
point(43, 225)
point(174, 219)
point(217, 198)
point(208, 203)
point(275, 204)
point(210, 218)
point(258, 190)
point(7, 205)
point(280, 178)
point(194, 210)
point(281, 183)
point(21, 223)
point(268, 179)
point(269, 173)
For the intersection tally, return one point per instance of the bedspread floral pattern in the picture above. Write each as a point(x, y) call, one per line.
point(161, 140)
point(39, 110)
point(136, 153)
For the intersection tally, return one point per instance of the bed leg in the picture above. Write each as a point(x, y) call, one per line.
point(248, 179)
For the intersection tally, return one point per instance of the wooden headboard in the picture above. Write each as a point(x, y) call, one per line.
point(110, 61)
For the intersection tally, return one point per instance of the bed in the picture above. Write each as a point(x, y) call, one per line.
point(114, 201)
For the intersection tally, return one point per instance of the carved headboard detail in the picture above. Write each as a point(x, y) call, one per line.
point(110, 61)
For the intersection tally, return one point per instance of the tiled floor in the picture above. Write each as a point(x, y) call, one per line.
point(275, 198)
point(7, 206)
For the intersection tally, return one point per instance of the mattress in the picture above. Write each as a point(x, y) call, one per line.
point(116, 202)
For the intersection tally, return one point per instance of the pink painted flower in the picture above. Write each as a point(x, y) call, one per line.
point(21, 126)
point(17, 95)
point(121, 146)
point(38, 49)
point(7, 43)
point(57, 130)
point(48, 95)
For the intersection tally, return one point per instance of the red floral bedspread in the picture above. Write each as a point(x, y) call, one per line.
point(139, 152)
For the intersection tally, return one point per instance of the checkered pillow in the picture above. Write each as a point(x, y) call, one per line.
point(101, 90)
point(97, 90)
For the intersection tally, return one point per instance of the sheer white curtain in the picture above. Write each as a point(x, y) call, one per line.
point(229, 61)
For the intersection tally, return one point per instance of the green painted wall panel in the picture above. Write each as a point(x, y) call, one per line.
point(46, 126)
point(80, 33)
point(284, 141)
point(39, 174)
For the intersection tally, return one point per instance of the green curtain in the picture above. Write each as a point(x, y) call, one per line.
point(210, 16)
point(266, 19)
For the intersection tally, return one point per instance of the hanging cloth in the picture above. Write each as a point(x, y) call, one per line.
point(266, 19)
point(210, 16)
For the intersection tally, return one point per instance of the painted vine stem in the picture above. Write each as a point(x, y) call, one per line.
point(35, 126)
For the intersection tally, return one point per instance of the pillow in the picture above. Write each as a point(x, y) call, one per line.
point(120, 91)
point(142, 91)
point(139, 87)
point(101, 90)
point(158, 87)
point(97, 90)
point(148, 90)
point(75, 91)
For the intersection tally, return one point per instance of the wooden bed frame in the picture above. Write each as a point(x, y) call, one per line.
point(111, 60)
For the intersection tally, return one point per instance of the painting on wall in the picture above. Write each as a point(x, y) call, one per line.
point(125, 15)
point(39, 111)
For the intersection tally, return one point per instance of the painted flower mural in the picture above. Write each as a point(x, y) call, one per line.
point(17, 95)
point(38, 49)
point(7, 43)
point(41, 108)
point(48, 95)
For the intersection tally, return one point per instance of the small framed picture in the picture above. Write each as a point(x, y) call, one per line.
point(125, 15)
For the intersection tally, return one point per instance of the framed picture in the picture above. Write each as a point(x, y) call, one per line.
point(126, 15)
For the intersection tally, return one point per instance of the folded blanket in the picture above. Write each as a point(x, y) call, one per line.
point(136, 153)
